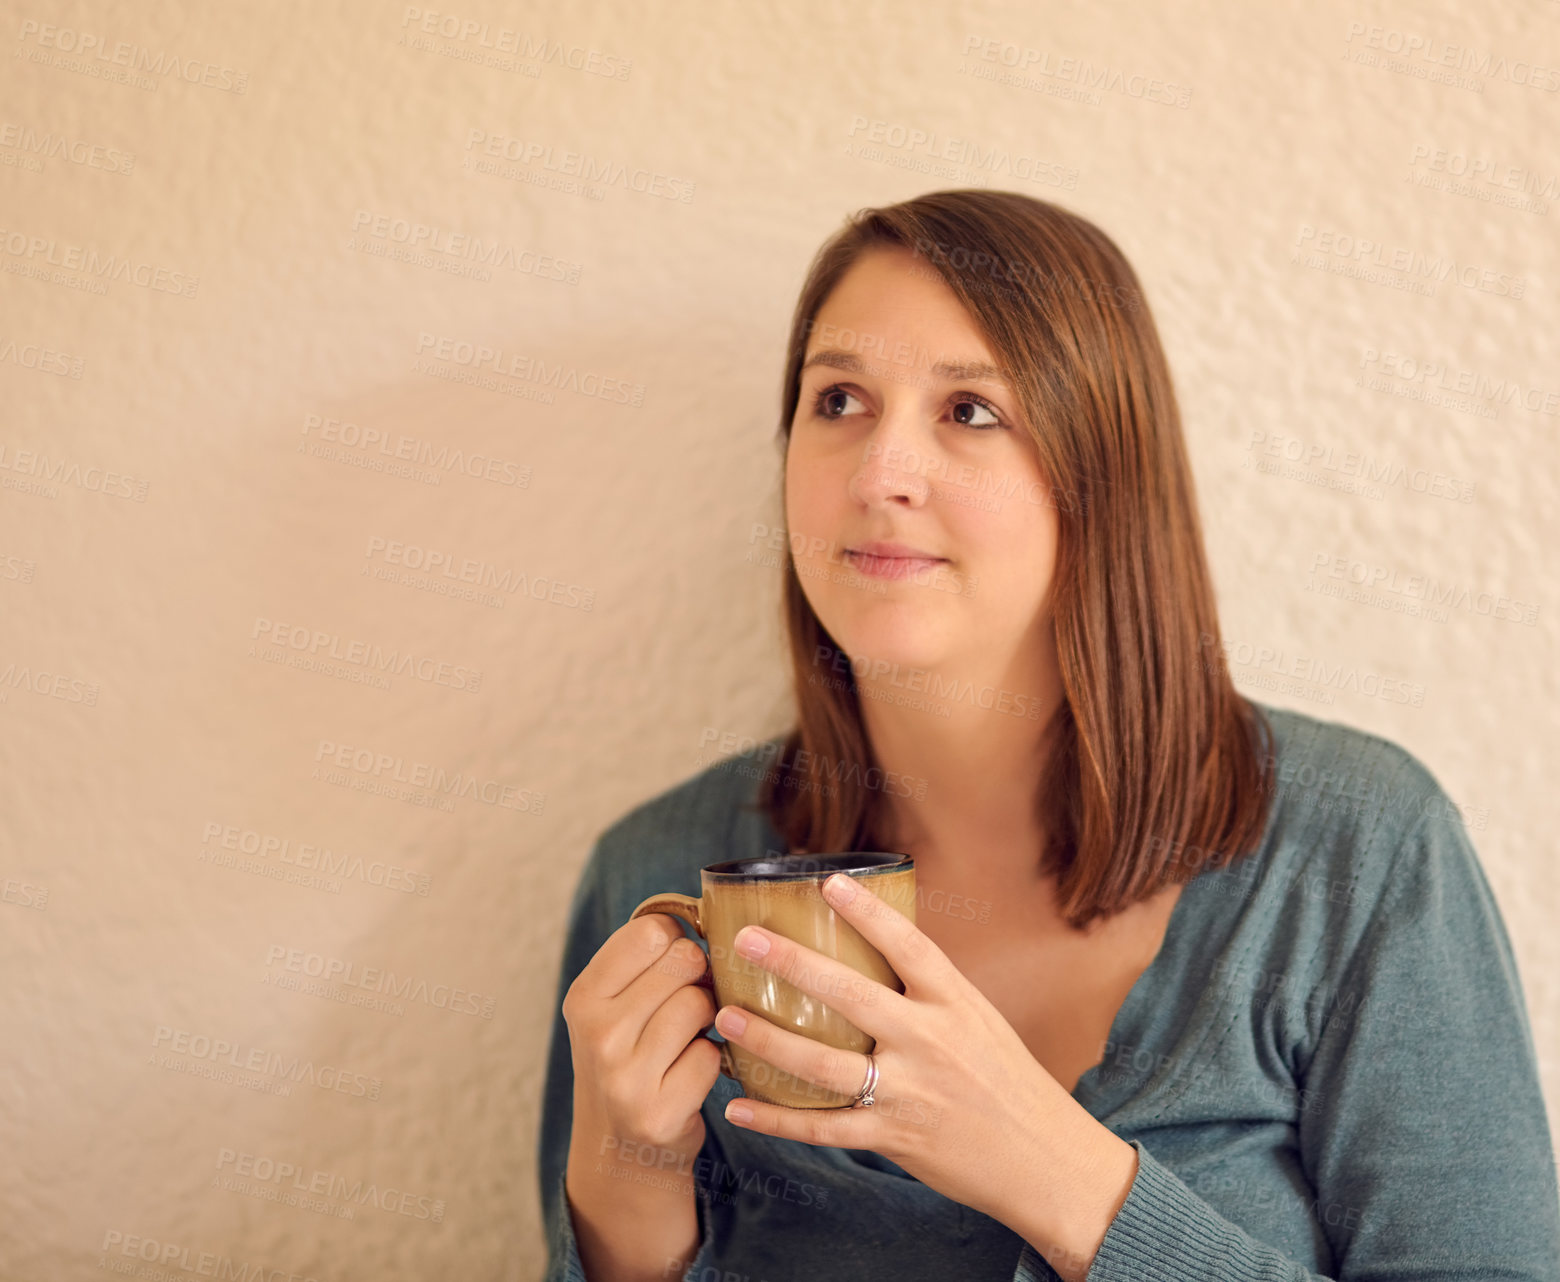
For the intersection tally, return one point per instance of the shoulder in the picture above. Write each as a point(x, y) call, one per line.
point(1352, 815)
point(661, 843)
point(1364, 857)
point(1332, 780)
point(1312, 760)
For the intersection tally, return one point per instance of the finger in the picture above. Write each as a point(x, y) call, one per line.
point(682, 965)
point(629, 951)
point(872, 1007)
point(831, 1127)
point(916, 959)
point(841, 1071)
point(693, 1073)
point(681, 1017)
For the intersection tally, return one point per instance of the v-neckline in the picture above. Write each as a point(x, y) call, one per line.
point(1128, 1021)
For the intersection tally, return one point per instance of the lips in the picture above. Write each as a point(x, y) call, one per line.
point(892, 551)
point(880, 560)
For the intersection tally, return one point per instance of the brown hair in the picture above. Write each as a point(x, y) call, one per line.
point(1153, 752)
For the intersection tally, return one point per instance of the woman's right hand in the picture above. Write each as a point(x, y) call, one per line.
point(642, 1069)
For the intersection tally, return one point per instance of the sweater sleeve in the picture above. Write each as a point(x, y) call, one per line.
point(587, 929)
point(1429, 1128)
point(590, 923)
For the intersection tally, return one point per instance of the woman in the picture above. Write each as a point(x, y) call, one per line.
point(1196, 988)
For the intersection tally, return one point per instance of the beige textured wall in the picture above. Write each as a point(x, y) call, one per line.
point(205, 466)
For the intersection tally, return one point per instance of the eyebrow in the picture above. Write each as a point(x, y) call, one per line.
point(954, 371)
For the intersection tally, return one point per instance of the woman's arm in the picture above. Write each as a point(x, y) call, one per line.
point(587, 928)
point(1430, 1128)
point(608, 1217)
point(615, 1209)
point(632, 1222)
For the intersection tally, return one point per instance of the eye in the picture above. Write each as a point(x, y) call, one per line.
point(830, 402)
point(834, 402)
point(966, 407)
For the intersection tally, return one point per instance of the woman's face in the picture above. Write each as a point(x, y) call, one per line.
point(901, 437)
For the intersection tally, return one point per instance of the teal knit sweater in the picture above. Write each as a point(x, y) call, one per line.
point(1327, 1071)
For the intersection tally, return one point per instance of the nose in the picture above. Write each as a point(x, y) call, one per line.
point(891, 467)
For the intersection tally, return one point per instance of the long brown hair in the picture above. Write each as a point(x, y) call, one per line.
point(1153, 754)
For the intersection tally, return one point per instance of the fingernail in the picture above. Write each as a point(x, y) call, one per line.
point(751, 943)
point(732, 1022)
point(737, 1111)
point(840, 889)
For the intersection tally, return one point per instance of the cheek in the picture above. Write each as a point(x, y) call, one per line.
point(990, 527)
point(807, 492)
point(1014, 545)
point(796, 489)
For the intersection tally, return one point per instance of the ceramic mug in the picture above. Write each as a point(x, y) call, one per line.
point(783, 893)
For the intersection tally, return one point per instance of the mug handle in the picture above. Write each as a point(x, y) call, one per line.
point(687, 908)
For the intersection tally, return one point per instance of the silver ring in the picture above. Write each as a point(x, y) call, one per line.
point(864, 1095)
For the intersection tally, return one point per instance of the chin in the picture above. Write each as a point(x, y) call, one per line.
point(905, 636)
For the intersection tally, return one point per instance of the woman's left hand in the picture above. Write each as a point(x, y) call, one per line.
point(960, 1103)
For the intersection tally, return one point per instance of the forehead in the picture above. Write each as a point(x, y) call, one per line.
point(891, 298)
point(892, 306)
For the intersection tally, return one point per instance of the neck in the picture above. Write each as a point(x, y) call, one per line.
point(971, 777)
